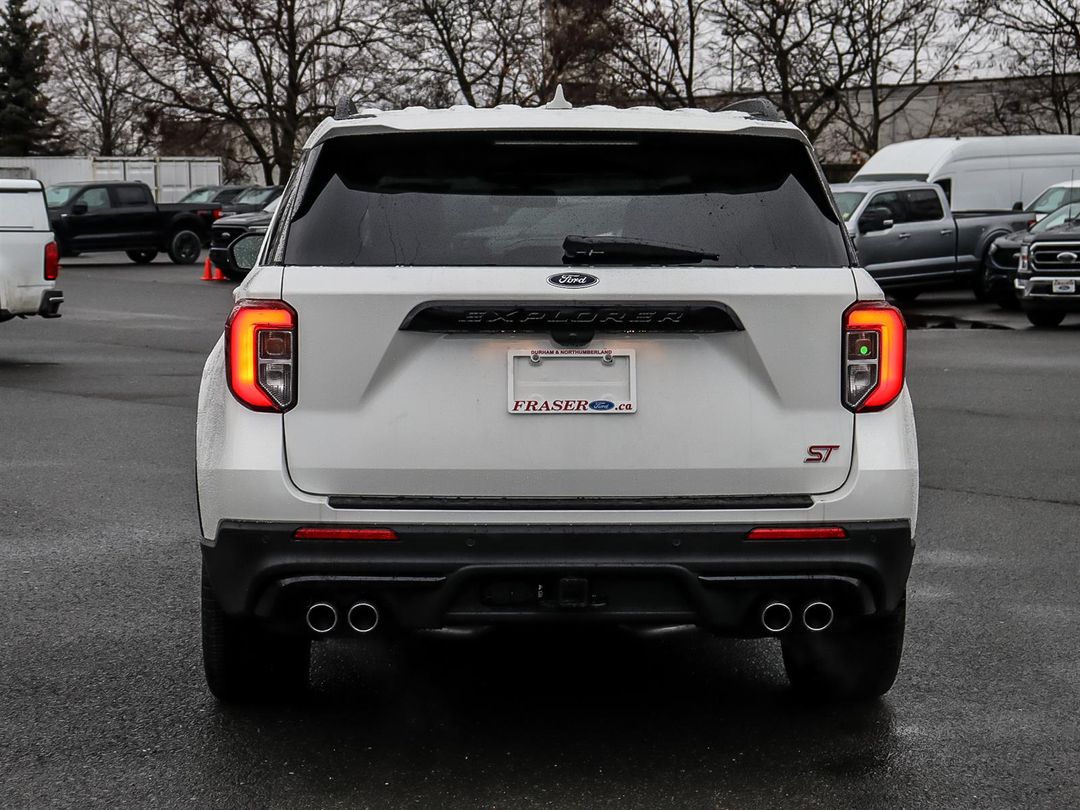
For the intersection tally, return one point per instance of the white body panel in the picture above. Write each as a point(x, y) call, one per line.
point(984, 173)
point(724, 414)
point(24, 233)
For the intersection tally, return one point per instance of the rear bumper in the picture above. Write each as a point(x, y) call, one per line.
point(478, 574)
point(50, 304)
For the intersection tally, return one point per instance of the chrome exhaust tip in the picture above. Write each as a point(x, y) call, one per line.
point(322, 618)
point(363, 617)
point(817, 616)
point(776, 617)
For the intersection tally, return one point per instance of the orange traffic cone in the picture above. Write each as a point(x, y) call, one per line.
point(218, 275)
point(206, 271)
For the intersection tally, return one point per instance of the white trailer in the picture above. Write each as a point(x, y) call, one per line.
point(170, 178)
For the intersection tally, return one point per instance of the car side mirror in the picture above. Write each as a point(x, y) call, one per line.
point(244, 252)
point(875, 219)
point(79, 208)
point(1018, 206)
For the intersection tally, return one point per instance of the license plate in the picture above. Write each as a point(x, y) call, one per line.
point(563, 381)
point(1064, 285)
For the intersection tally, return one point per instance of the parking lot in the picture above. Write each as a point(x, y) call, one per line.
point(105, 702)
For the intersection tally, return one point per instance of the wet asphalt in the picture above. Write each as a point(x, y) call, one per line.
point(102, 701)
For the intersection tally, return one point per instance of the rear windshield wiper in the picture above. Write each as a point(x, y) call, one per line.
point(614, 249)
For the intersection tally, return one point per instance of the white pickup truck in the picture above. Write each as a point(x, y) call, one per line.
point(29, 258)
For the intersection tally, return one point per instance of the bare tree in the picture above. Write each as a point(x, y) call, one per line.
point(902, 46)
point(795, 51)
point(1037, 42)
point(95, 79)
point(269, 69)
point(659, 49)
point(480, 52)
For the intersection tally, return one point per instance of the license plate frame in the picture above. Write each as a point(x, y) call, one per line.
point(1063, 286)
point(539, 390)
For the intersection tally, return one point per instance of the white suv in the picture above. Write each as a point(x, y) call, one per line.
point(521, 365)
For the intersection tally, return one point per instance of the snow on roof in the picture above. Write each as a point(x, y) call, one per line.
point(514, 117)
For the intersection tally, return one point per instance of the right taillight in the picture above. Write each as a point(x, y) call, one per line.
point(875, 349)
point(52, 261)
point(260, 348)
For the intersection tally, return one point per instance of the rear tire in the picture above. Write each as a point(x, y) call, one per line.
point(1045, 318)
point(855, 664)
point(244, 663)
point(185, 247)
point(142, 256)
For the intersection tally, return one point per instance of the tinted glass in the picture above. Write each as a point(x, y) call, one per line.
point(1053, 198)
point(848, 201)
point(254, 196)
point(55, 196)
point(131, 196)
point(1065, 214)
point(890, 200)
point(923, 206)
point(198, 195)
point(95, 198)
point(512, 198)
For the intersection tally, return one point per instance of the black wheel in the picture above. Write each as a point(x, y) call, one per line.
point(1007, 300)
point(185, 247)
point(1045, 318)
point(859, 663)
point(142, 256)
point(243, 663)
point(980, 284)
point(903, 296)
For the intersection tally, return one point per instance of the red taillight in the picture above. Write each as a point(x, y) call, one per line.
point(315, 533)
point(260, 362)
point(791, 533)
point(52, 261)
point(216, 213)
point(874, 353)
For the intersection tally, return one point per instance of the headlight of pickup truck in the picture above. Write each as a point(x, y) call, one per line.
point(1025, 252)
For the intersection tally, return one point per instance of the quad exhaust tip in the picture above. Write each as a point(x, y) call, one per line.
point(363, 617)
point(776, 617)
point(817, 616)
point(322, 617)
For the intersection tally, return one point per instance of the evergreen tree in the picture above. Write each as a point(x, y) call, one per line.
point(26, 127)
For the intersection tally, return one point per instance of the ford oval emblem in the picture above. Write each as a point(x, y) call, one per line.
point(601, 405)
point(1067, 257)
point(572, 281)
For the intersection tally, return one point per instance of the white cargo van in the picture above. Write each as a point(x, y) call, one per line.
point(29, 258)
point(980, 173)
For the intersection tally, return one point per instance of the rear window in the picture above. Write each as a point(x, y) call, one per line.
point(503, 198)
point(22, 211)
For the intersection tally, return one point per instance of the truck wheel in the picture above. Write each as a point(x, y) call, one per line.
point(142, 256)
point(244, 663)
point(185, 247)
point(855, 664)
point(1045, 318)
point(980, 284)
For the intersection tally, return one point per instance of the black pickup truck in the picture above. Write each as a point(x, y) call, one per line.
point(105, 216)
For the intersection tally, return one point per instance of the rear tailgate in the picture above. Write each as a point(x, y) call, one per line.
point(383, 411)
point(715, 282)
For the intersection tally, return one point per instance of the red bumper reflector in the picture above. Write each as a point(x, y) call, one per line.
point(790, 533)
point(344, 534)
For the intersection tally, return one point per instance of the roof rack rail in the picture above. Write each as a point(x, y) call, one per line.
point(345, 108)
point(759, 107)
